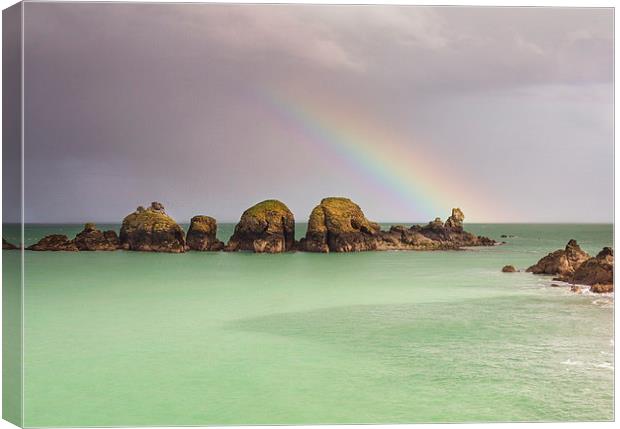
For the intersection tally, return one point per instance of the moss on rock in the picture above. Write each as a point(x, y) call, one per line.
point(337, 224)
point(202, 234)
point(152, 230)
point(266, 227)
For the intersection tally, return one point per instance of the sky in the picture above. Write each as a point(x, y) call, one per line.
point(506, 113)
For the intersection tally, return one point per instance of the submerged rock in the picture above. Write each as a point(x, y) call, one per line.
point(563, 261)
point(202, 234)
point(266, 227)
point(602, 288)
point(92, 238)
point(54, 243)
point(339, 225)
point(509, 269)
point(8, 246)
point(152, 230)
point(596, 271)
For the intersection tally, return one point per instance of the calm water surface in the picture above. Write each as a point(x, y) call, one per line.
point(128, 338)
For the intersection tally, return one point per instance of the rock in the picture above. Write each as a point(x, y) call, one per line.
point(54, 242)
point(576, 289)
point(451, 234)
point(563, 261)
point(93, 239)
point(455, 221)
point(509, 269)
point(8, 246)
point(157, 207)
point(597, 270)
point(555, 285)
point(202, 234)
point(152, 230)
point(339, 225)
point(506, 236)
point(267, 227)
point(402, 238)
point(602, 288)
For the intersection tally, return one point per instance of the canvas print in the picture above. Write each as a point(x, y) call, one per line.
point(247, 214)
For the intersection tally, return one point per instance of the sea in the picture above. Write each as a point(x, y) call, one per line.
point(134, 339)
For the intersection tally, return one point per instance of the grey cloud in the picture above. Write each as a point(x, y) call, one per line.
point(126, 103)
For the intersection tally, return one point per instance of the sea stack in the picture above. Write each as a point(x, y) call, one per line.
point(202, 234)
point(267, 227)
point(92, 238)
point(338, 225)
point(152, 230)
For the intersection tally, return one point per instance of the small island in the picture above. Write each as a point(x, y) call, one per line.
point(336, 224)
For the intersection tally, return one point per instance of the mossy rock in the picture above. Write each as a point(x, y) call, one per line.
point(54, 243)
point(341, 215)
point(152, 230)
point(337, 224)
point(266, 227)
point(202, 234)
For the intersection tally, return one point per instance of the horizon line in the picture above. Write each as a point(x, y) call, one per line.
point(380, 222)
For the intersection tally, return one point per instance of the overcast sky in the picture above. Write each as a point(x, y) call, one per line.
point(506, 112)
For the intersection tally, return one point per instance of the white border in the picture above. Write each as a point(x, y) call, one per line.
point(484, 3)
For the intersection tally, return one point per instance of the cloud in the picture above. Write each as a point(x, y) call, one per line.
point(157, 96)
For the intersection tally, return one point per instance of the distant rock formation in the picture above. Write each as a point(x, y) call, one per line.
point(509, 269)
point(92, 238)
point(152, 230)
point(563, 262)
point(202, 234)
point(339, 225)
point(8, 246)
point(267, 227)
point(450, 235)
point(54, 243)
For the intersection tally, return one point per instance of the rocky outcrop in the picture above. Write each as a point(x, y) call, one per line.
point(509, 269)
point(573, 265)
point(152, 230)
point(8, 246)
point(597, 270)
point(92, 238)
point(267, 227)
point(450, 235)
point(562, 262)
point(202, 234)
point(54, 242)
point(339, 225)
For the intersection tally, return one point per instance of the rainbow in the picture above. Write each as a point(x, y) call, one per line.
point(404, 173)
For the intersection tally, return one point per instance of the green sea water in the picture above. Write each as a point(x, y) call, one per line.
point(129, 338)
